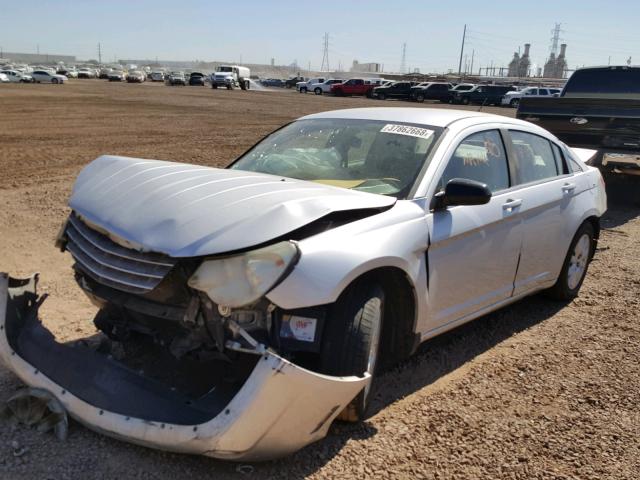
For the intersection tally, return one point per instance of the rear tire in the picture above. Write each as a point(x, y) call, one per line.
point(420, 97)
point(351, 340)
point(465, 101)
point(576, 263)
point(514, 103)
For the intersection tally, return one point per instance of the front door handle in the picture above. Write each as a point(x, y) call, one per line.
point(511, 204)
point(568, 187)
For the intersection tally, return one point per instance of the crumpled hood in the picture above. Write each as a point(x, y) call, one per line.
point(189, 210)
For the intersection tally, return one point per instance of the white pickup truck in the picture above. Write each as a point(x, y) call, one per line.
point(304, 87)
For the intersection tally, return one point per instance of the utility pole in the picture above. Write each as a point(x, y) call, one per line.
point(99, 53)
point(403, 58)
point(473, 52)
point(608, 63)
point(38, 48)
point(325, 54)
point(464, 34)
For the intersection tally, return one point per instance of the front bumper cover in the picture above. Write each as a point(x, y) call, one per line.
point(279, 409)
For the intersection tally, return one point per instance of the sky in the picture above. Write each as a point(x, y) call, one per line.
point(251, 31)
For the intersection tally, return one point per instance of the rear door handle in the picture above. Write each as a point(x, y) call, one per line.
point(568, 187)
point(511, 204)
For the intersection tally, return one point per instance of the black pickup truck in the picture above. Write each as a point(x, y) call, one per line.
point(598, 109)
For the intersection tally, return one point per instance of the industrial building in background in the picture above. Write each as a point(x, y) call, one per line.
point(556, 67)
point(519, 66)
point(370, 67)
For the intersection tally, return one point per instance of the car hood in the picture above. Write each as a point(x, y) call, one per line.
point(189, 210)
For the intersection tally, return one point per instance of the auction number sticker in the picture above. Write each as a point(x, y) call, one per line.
point(407, 130)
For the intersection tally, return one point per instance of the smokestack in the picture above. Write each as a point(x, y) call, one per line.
point(527, 46)
point(563, 49)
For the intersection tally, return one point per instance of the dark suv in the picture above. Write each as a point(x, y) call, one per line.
point(431, 91)
point(196, 78)
point(400, 90)
point(482, 94)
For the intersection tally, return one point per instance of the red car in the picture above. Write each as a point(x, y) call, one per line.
point(354, 86)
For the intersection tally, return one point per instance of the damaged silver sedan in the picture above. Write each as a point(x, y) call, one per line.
point(242, 310)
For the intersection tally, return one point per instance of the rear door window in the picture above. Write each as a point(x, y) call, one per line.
point(534, 158)
point(480, 157)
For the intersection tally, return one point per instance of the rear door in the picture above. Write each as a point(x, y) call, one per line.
point(547, 206)
point(473, 250)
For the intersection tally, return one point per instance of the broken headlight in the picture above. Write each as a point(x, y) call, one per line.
point(240, 280)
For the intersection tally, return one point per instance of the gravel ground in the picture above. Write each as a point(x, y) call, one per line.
point(540, 389)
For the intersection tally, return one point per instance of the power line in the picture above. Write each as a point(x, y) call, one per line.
point(325, 54)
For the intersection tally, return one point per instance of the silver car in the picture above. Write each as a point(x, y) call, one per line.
point(242, 310)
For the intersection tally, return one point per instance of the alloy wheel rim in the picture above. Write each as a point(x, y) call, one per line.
point(578, 262)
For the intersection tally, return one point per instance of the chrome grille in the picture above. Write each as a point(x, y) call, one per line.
point(113, 265)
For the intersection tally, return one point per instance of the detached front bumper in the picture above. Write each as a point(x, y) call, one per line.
point(279, 409)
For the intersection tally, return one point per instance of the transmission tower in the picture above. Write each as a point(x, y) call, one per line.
point(325, 54)
point(99, 53)
point(555, 39)
point(403, 59)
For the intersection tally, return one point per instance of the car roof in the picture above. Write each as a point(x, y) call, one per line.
point(437, 117)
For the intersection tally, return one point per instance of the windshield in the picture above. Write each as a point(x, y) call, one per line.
point(366, 155)
point(225, 69)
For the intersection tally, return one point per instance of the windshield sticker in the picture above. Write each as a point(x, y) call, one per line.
point(407, 130)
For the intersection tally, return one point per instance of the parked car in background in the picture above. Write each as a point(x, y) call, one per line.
point(291, 82)
point(482, 94)
point(104, 73)
point(431, 91)
point(272, 82)
point(353, 86)
point(304, 87)
point(324, 87)
point(397, 90)
point(43, 76)
point(175, 78)
point(117, 76)
point(86, 73)
point(196, 79)
point(157, 76)
point(512, 99)
point(599, 109)
point(17, 77)
point(136, 76)
point(461, 87)
point(68, 72)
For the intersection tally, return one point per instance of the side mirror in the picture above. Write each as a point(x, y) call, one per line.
point(462, 191)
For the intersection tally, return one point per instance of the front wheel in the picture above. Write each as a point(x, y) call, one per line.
point(575, 265)
point(382, 96)
point(54, 81)
point(352, 338)
point(465, 101)
point(303, 90)
point(317, 91)
point(515, 102)
point(420, 97)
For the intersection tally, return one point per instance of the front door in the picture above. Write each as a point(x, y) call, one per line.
point(473, 250)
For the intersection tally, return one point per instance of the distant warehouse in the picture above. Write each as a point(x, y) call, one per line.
point(38, 57)
point(366, 67)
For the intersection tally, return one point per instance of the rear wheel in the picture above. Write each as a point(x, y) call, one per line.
point(465, 101)
point(317, 91)
point(420, 97)
point(352, 339)
point(214, 86)
point(575, 265)
point(515, 102)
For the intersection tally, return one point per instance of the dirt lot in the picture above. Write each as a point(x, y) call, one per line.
point(538, 390)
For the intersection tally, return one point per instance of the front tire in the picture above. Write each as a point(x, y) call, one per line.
point(382, 96)
point(317, 91)
point(54, 81)
point(465, 101)
point(576, 263)
point(514, 103)
point(352, 339)
point(303, 90)
point(420, 97)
